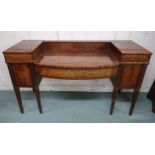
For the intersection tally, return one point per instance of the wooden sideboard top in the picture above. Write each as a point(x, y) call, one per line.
point(125, 46)
point(25, 46)
point(130, 47)
point(76, 54)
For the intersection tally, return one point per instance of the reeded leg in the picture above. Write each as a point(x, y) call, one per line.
point(114, 96)
point(133, 103)
point(37, 93)
point(16, 89)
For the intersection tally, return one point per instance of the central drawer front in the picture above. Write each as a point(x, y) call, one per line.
point(76, 74)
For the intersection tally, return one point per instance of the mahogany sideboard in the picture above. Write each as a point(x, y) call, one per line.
point(124, 62)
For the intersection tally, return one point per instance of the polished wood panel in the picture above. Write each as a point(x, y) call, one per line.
point(131, 77)
point(22, 74)
point(124, 62)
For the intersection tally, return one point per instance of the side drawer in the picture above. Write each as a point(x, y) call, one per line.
point(135, 58)
point(22, 73)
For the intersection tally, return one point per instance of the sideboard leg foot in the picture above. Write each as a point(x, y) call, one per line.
point(133, 103)
point(37, 93)
point(114, 96)
point(119, 91)
point(153, 107)
point(18, 95)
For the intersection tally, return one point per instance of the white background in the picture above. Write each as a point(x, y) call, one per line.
point(144, 38)
point(78, 15)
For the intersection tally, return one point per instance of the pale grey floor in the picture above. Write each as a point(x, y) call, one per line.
point(74, 107)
